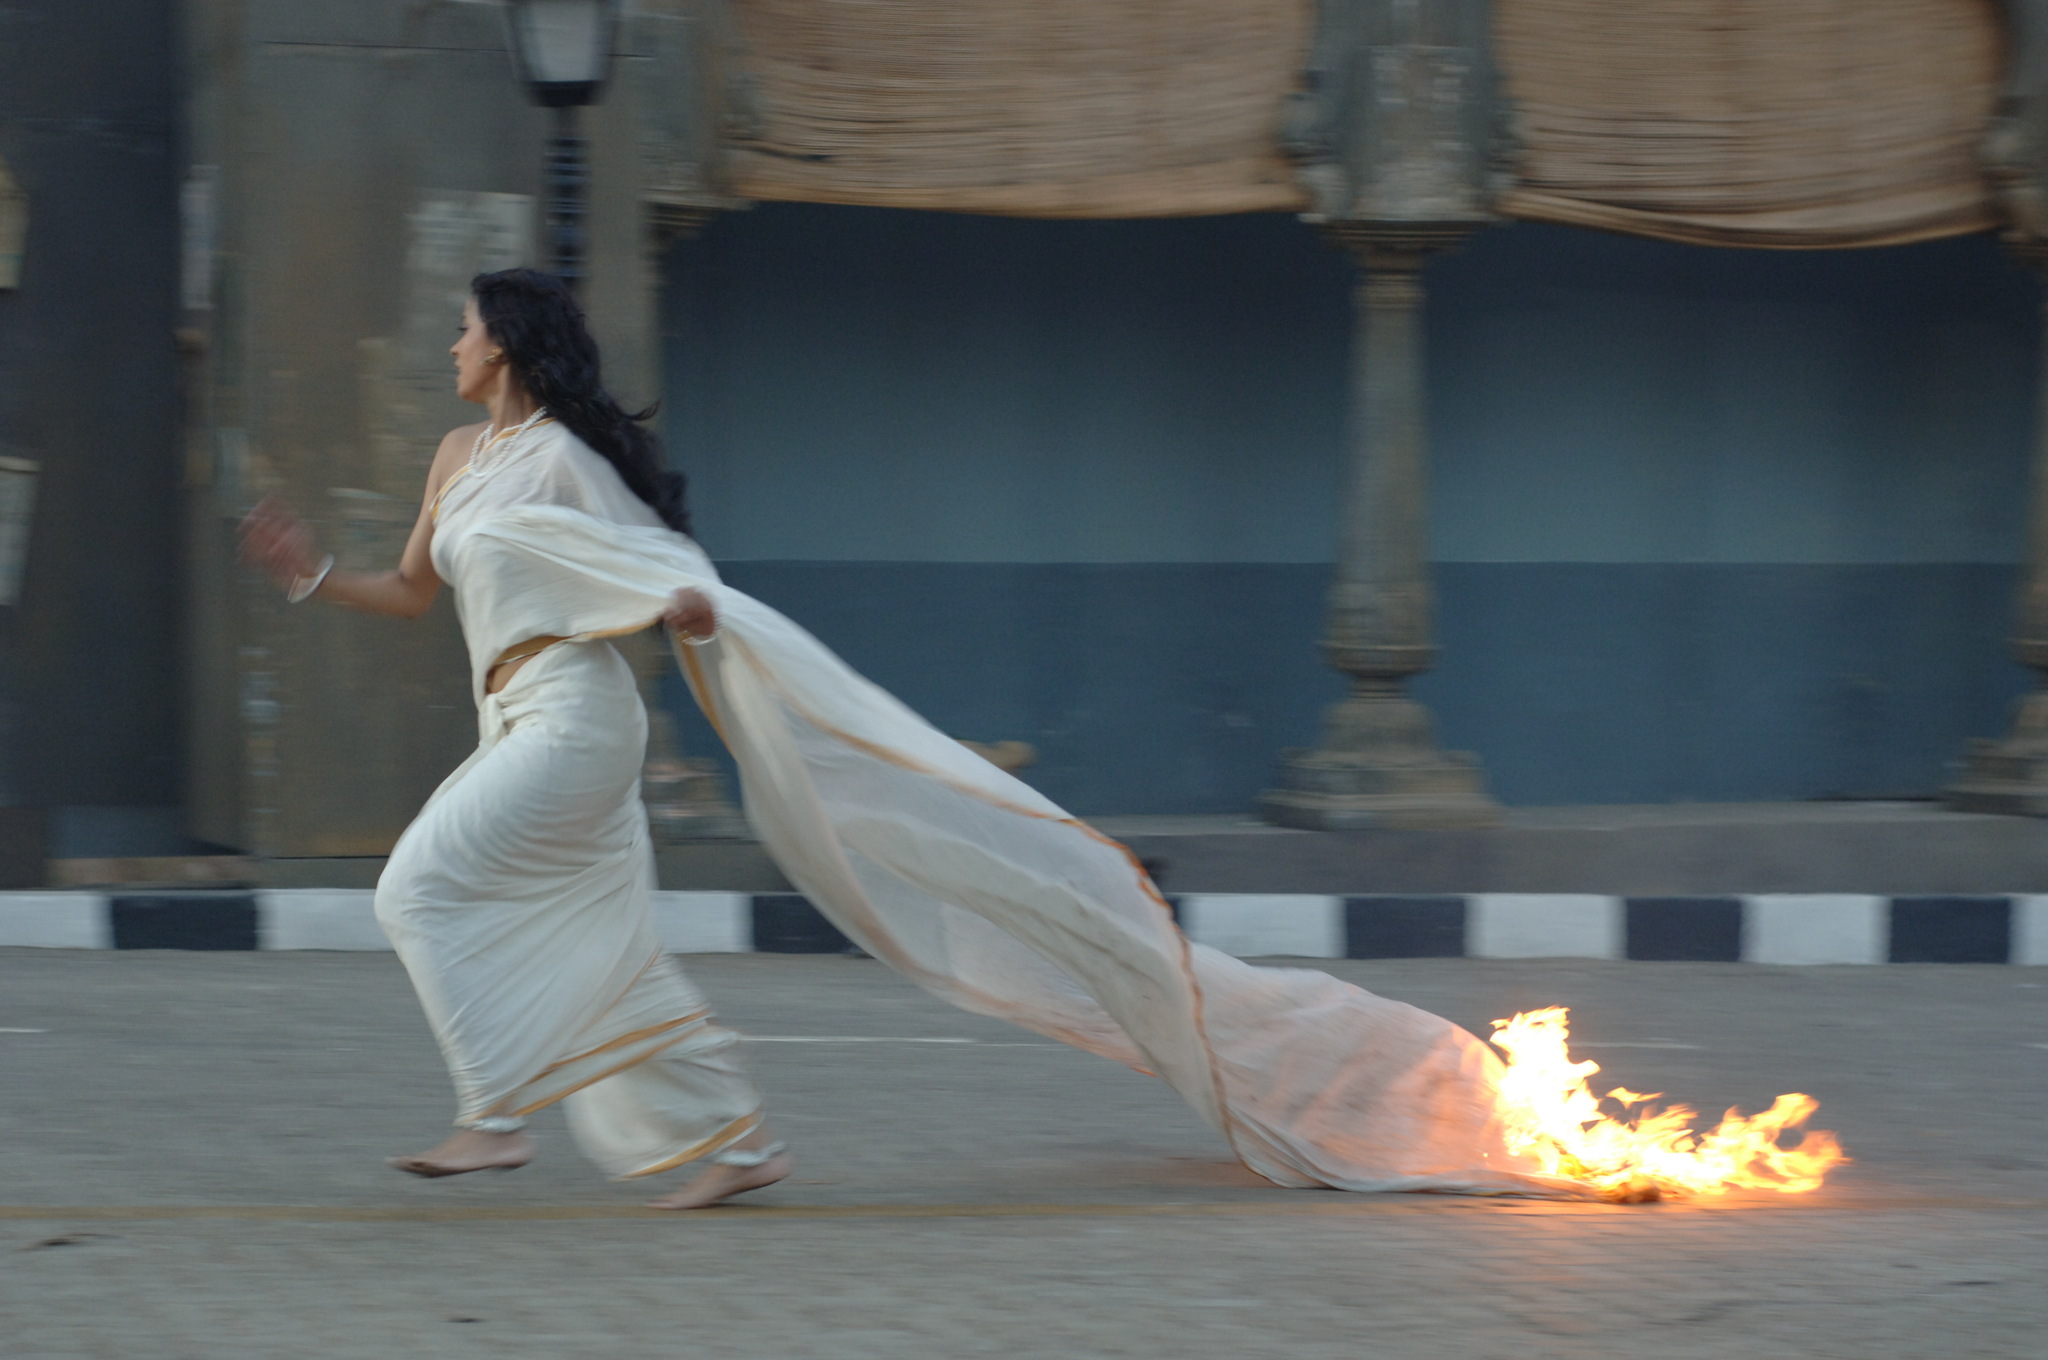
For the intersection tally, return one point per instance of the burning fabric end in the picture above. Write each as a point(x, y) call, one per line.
point(1551, 1115)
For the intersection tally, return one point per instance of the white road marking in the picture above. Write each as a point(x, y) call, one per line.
point(6, 1030)
point(875, 1039)
point(997, 1043)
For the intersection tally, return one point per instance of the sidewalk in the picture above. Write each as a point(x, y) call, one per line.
point(1641, 850)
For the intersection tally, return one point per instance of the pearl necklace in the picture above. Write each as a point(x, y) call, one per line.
point(479, 465)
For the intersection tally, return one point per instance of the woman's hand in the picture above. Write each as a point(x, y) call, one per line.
point(279, 542)
point(690, 615)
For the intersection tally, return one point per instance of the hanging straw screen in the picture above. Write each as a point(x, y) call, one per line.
point(1753, 122)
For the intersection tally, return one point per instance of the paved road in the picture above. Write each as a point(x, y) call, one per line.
point(189, 1171)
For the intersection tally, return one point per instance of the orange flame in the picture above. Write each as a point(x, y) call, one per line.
point(1550, 1114)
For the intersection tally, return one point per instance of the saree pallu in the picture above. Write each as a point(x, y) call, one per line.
point(520, 902)
point(988, 895)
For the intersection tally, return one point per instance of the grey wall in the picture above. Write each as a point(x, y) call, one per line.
point(89, 387)
point(1710, 524)
point(372, 157)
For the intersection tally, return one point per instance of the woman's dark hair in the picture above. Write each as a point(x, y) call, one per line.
point(535, 320)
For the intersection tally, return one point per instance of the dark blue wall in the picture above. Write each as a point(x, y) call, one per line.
point(1670, 682)
point(89, 388)
point(1602, 398)
point(1577, 682)
point(1716, 525)
point(858, 384)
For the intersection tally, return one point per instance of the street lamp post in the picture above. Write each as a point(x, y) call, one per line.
point(564, 51)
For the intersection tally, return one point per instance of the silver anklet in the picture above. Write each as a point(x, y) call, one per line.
point(743, 1157)
point(493, 1123)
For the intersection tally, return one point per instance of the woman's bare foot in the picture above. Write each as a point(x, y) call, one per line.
point(718, 1181)
point(469, 1150)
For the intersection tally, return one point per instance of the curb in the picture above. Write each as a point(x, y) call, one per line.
point(1802, 928)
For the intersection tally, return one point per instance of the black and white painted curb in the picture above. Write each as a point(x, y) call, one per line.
point(1785, 929)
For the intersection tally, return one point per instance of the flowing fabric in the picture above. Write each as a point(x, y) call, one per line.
point(971, 883)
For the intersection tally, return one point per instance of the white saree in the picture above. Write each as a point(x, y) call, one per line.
point(520, 898)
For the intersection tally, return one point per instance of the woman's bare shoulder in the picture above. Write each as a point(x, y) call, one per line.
point(453, 453)
point(455, 447)
point(459, 440)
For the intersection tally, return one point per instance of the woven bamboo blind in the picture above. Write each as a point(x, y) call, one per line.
point(1753, 122)
point(1727, 122)
point(1046, 108)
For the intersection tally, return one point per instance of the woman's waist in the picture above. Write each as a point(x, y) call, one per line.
point(507, 663)
point(523, 671)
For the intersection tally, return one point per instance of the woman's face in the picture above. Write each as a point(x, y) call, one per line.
point(477, 375)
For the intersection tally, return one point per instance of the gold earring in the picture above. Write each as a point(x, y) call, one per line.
point(497, 357)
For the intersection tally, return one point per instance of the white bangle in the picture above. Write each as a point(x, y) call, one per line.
point(697, 639)
point(303, 586)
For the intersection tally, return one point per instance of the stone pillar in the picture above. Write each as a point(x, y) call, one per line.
point(1378, 764)
point(685, 795)
point(683, 93)
point(2010, 775)
point(1398, 142)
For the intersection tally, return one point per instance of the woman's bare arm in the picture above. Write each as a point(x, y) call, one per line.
point(281, 543)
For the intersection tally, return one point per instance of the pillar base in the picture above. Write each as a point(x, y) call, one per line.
point(1340, 791)
point(686, 802)
point(2008, 777)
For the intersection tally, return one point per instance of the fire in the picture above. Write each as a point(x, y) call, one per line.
point(1550, 1114)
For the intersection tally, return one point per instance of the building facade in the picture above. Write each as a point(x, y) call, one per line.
point(1706, 524)
point(1703, 524)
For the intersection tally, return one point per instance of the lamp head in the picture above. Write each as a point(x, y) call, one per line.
point(563, 47)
